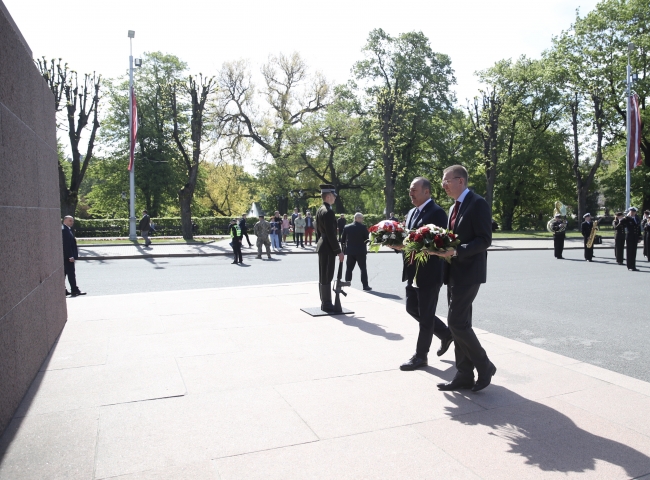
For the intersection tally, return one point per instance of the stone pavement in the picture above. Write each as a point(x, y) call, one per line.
point(183, 385)
point(222, 247)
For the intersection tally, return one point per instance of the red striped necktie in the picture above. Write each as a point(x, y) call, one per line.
point(454, 214)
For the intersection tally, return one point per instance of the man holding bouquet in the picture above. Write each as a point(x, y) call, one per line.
point(471, 220)
point(422, 291)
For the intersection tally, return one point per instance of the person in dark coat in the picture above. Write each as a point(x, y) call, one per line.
point(619, 237)
point(340, 225)
point(559, 232)
point(328, 248)
point(470, 219)
point(244, 231)
point(145, 226)
point(235, 237)
point(354, 241)
point(422, 292)
point(70, 255)
point(586, 228)
point(633, 233)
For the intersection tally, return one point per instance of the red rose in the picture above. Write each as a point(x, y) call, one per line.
point(452, 237)
point(439, 242)
point(424, 230)
point(373, 229)
point(418, 237)
point(412, 236)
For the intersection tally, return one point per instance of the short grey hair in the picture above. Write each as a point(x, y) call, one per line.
point(458, 171)
point(424, 182)
point(358, 215)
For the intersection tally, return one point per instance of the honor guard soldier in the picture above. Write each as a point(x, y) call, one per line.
point(619, 237)
point(328, 247)
point(559, 232)
point(587, 226)
point(633, 227)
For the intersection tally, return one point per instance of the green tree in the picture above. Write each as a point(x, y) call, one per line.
point(159, 170)
point(405, 85)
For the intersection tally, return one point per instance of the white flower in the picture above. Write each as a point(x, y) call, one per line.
point(392, 236)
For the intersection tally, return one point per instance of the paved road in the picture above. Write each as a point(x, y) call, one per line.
point(594, 312)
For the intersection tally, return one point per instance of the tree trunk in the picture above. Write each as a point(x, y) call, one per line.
point(185, 200)
point(338, 203)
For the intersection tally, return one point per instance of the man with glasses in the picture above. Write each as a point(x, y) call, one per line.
point(470, 219)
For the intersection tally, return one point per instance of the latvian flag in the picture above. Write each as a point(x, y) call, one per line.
point(634, 144)
point(134, 127)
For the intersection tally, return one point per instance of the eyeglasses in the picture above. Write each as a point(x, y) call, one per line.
point(446, 182)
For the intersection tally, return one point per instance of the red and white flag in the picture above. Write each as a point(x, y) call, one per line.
point(634, 132)
point(134, 127)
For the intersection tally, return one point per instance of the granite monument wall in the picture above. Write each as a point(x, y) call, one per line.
point(32, 301)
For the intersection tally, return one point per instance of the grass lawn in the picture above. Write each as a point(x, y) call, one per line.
point(159, 240)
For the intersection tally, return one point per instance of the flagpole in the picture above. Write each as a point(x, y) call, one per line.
point(628, 125)
point(132, 235)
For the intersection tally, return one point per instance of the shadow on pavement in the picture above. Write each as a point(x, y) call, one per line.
point(389, 296)
point(367, 327)
point(548, 439)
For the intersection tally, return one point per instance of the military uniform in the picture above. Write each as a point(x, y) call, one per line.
point(559, 233)
point(327, 248)
point(262, 230)
point(586, 232)
point(619, 238)
point(633, 227)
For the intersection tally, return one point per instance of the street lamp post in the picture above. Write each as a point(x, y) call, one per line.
point(132, 235)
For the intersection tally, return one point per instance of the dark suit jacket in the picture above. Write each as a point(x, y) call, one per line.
point(474, 229)
point(354, 238)
point(431, 272)
point(586, 229)
point(69, 244)
point(326, 224)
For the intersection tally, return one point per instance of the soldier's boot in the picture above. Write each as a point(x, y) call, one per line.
point(259, 257)
point(326, 304)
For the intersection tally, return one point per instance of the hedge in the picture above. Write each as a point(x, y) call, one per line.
point(171, 226)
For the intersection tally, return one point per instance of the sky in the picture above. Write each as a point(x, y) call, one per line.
point(91, 35)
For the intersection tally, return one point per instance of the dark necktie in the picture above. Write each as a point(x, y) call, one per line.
point(414, 218)
point(454, 214)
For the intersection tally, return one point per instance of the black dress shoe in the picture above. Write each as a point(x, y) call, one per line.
point(444, 345)
point(78, 293)
point(367, 288)
point(633, 269)
point(67, 293)
point(456, 384)
point(484, 380)
point(413, 363)
point(234, 263)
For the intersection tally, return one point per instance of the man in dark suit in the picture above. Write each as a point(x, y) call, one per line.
point(354, 240)
point(70, 254)
point(422, 292)
point(586, 228)
point(633, 233)
point(328, 247)
point(470, 219)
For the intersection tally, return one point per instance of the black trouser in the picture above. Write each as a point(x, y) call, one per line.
point(326, 268)
point(236, 249)
point(619, 247)
point(245, 234)
point(558, 243)
point(421, 304)
point(68, 268)
point(646, 240)
point(351, 261)
point(298, 239)
point(630, 249)
point(469, 352)
point(589, 252)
